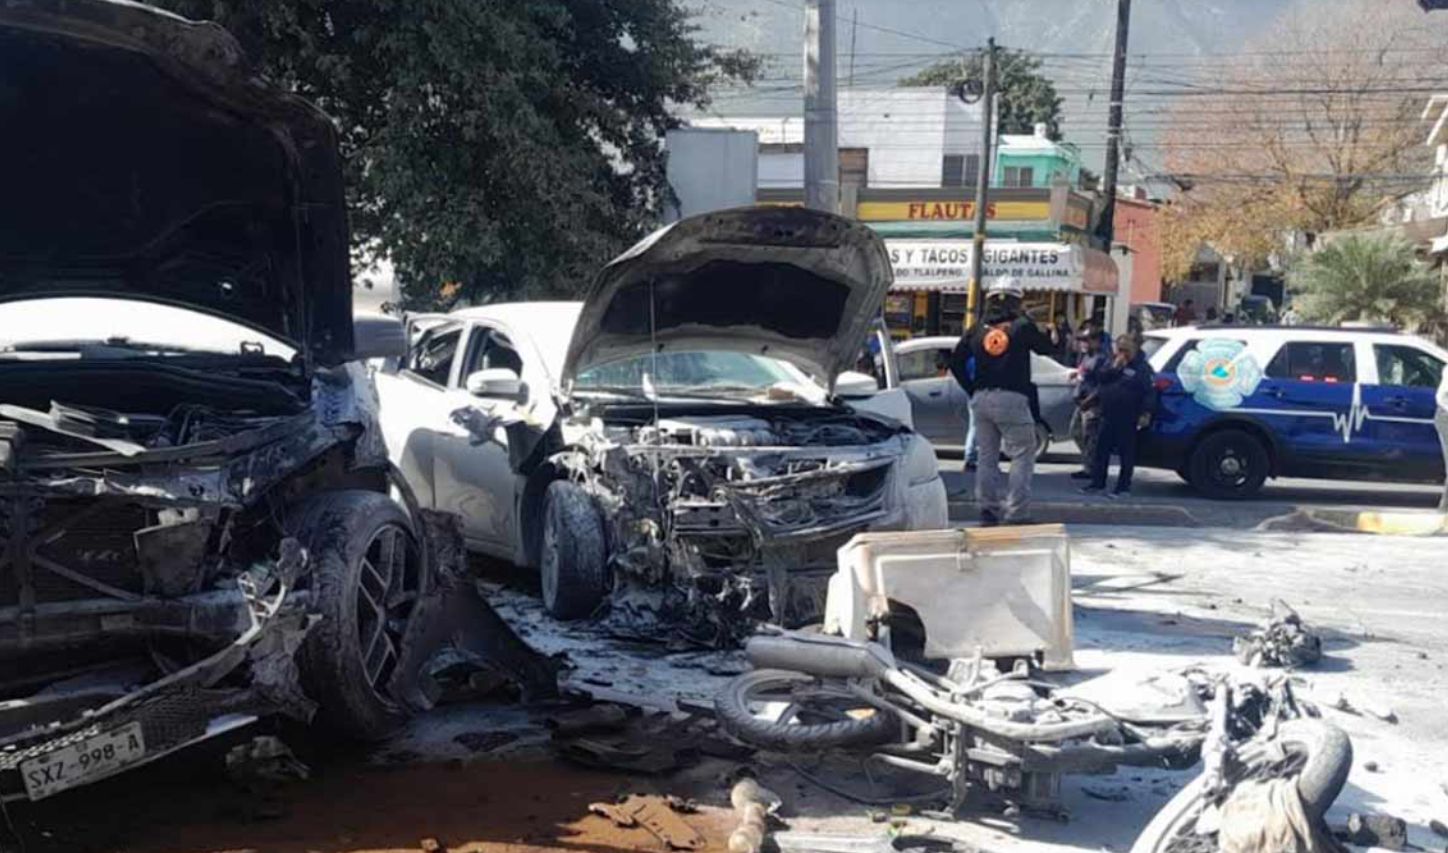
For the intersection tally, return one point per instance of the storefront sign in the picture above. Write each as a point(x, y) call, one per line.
point(945, 265)
point(951, 211)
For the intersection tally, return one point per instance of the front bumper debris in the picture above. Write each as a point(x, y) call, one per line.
point(189, 705)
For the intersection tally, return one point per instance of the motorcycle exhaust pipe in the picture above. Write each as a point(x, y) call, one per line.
point(820, 656)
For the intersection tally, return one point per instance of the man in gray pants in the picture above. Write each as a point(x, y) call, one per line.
point(1442, 421)
point(1001, 346)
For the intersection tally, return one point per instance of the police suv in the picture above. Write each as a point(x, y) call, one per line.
point(1240, 404)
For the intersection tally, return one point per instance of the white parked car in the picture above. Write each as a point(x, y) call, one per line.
point(939, 407)
point(684, 429)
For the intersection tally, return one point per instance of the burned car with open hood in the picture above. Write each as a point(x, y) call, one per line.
point(195, 520)
point(689, 440)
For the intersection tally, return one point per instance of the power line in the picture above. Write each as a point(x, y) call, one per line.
point(877, 28)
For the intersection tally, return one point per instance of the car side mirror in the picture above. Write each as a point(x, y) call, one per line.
point(378, 336)
point(853, 385)
point(497, 383)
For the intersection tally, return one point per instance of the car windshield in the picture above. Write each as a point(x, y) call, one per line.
point(690, 372)
point(68, 326)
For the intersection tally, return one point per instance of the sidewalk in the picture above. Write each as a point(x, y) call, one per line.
point(1160, 498)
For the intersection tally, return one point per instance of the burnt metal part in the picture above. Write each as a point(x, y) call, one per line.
point(717, 521)
point(1284, 640)
point(455, 628)
point(160, 588)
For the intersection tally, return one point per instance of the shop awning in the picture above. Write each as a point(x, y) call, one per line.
point(944, 266)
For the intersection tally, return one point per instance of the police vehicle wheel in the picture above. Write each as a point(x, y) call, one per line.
point(1229, 465)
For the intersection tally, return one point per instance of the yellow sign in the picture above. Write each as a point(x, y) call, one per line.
point(949, 211)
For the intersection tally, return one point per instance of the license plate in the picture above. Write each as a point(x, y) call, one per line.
point(80, 763)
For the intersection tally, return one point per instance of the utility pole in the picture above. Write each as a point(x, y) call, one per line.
point(975, 302)
point(854, 35)
point(821, 128)
point(1107, 227)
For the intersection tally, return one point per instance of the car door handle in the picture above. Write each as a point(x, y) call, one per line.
point(1400, 402)
point(936, 394)
point(1275, 393)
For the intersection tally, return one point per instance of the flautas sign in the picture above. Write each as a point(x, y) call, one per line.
point(945, 265)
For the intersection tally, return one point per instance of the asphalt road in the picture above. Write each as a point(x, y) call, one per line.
point(480, 777)
point(1160, 497)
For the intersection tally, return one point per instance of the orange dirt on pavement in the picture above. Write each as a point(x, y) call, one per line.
point(478, 807)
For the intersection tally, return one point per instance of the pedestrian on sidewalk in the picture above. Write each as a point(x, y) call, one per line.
point(1001, 345)
point(1124, 391)
point(1442, 422)
point(1093, 360)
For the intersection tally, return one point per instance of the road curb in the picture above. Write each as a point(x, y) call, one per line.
point(1291, 520)
point(1384, 523)
point(1130, 515)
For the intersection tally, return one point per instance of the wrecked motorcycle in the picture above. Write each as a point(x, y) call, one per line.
point(941, 656)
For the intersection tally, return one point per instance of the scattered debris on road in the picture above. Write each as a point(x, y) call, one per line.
point(264, 759)
point(1374, 830)
point(802, 842)
point(1284, 641)
point(755, 805)
point(658, 815)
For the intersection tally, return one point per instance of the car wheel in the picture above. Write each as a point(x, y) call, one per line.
point(574, 559)
point(366, 579)
point(1229, 465)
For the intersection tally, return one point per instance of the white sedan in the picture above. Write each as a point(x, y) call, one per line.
point(938, 406)
point(684, 430)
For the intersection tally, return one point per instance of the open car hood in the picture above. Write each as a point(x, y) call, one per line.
point(789, 283)
point(145, 161)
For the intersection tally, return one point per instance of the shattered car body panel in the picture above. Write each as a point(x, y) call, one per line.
point(145, 161)
point(740, 529)
point(785, 282)
point(188, 535)
point(723, 472)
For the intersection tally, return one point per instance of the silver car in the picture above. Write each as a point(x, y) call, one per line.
point(938, 405)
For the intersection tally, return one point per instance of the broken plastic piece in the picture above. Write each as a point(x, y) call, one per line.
point(1284, 641)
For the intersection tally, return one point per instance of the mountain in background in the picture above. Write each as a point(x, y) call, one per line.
point(1076, 36)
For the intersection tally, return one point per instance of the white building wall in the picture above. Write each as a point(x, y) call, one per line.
point(781, 171)
point(908, 132)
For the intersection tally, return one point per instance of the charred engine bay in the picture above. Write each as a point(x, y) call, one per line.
point(136, 496)
point(718, 520)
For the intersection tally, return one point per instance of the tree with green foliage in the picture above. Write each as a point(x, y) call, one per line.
point(494, 149)
point(1026, 96)
point(1366, 278)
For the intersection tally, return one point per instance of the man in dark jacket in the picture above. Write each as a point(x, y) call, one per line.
point(1001, 346)
point(1124, 389)
point(1094, 360)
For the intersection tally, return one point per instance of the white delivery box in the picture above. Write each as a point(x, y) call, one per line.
point(999, 592)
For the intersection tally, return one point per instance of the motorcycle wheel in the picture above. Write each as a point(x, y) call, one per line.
point(794, 712)
point(1326, 755)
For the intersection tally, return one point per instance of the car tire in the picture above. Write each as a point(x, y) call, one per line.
point(367, 572)
point(573, 560)
point(1229, 464)
point(735, 707)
